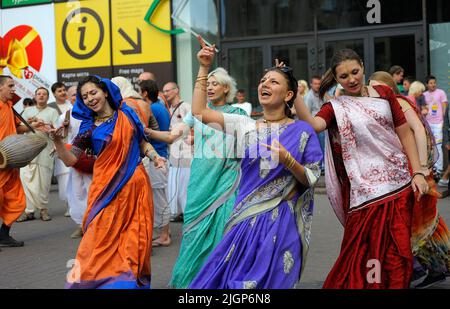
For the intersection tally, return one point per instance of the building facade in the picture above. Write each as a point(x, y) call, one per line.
point(250, 34)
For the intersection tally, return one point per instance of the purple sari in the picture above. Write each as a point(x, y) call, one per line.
point(267, 236)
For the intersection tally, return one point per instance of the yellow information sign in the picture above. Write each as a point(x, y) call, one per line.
point(135, 41)
point(83, 34)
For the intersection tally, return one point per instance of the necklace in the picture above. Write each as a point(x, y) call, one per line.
point(275, 120)
point(103, 118)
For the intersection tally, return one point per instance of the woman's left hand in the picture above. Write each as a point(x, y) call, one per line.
point(277, 152)
point(160, 163)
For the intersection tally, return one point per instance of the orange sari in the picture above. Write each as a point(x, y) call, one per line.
point(116, 247)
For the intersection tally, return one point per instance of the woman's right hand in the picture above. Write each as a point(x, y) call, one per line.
point(205, 56)
point(56, 134)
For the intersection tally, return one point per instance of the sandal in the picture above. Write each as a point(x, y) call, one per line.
point(157, 243)
point(26, 217)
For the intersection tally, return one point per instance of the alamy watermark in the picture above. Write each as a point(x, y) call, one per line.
point(374, 14)
point(374, 274)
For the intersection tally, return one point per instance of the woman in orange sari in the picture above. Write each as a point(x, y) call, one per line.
point(430, 237)
point(116, 246)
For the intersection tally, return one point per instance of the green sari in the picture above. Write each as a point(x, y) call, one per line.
point(211, 193)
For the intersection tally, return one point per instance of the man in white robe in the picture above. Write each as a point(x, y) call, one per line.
point(36, 177)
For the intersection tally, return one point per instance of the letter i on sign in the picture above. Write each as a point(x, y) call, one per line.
point(82, 31)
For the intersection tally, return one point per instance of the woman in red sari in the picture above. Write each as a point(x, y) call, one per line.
point(116, 246)
point(367, 177)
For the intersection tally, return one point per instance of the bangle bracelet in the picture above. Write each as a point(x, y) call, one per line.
point(417, 173)
point(290, 162)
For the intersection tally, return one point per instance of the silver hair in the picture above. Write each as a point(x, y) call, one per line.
point(225, 79)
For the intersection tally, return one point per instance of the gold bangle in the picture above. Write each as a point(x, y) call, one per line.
point(291, 166)
point(202, 77)
point(290, 161)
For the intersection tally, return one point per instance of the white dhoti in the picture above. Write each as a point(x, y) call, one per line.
point(36, 181)
point(77, 194)
point(158, 179)
point(62, 174)
point(177, 189)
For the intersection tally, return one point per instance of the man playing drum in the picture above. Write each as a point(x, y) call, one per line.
point(12, 196)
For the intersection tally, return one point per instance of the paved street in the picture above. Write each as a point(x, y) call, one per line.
point(41, 263)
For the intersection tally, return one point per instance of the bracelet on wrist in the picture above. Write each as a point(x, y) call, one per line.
point(417, 173)
point(290, 162)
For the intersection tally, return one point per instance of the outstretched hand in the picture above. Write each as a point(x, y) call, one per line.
point(206, 55)
point(39, 124)
point(56, 133)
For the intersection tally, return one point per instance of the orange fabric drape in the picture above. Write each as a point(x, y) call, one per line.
point(118, 240)
point(12, 196)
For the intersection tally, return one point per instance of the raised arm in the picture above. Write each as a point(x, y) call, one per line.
point(199, 109)
point(303, 113)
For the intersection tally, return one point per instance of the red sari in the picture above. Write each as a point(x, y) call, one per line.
point(430, 237)
point(375, 251)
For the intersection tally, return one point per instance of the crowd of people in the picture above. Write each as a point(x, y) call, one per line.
point(129, 162)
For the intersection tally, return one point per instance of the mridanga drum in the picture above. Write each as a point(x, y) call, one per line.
point(19, 150)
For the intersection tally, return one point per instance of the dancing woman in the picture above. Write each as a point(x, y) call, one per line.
point(367, 177)
point(115, 249)
point(267, 236)
point(430, 237)
point(213, 181)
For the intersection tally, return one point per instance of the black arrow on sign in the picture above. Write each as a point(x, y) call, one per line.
point(137, 47)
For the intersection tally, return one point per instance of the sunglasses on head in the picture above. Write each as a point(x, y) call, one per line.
point(285, 69)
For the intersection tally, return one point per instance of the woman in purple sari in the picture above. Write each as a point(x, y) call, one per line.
point(267, 236)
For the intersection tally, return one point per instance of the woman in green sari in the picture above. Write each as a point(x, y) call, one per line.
point(213, 183)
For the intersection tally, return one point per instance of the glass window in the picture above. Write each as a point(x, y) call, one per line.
point(198, 17)
point(243, 18)
point(399, 50)
point(338, 14)
point(295, 56)
point(438, 11)
point(246, 66)
point(332, 46)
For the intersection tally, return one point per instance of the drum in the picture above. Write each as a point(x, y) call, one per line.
point(19, 150)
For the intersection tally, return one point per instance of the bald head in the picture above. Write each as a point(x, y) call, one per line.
point(72, 94)
point(172, 93)
point(147, 76)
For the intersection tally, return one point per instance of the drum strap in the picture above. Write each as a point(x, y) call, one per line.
point(23, 120)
